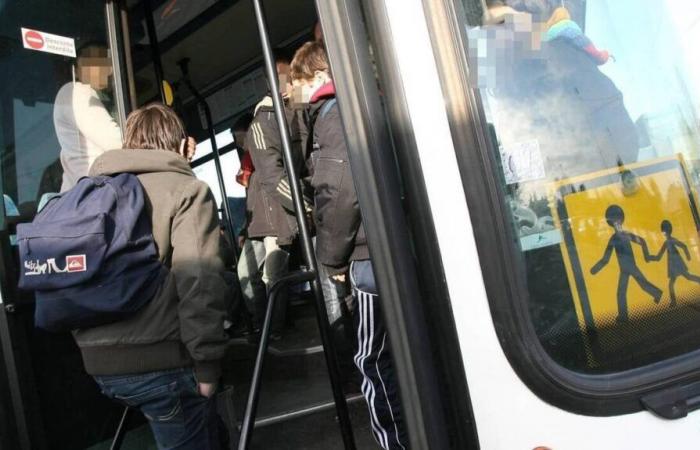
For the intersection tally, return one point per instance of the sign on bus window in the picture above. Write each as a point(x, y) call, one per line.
point(632, 253)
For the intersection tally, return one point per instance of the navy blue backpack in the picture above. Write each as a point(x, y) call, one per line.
point(89, 255)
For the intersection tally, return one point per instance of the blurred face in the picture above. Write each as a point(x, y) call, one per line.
point(318, 32)
point(284, 79)
point(95, 68)
point(304, 89)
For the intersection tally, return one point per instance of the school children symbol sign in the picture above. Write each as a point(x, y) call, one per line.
point(631, 246)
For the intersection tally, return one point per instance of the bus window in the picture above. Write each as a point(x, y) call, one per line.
point(591, 113)
point(43, 77)
point(205, 170)
point(56, 84)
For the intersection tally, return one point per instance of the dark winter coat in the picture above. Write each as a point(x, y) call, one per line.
point(340, 237)
point(269, 205)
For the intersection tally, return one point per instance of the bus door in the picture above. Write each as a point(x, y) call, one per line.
point(559, 143)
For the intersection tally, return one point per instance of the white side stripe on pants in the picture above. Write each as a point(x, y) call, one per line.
point(366, 336)
point(386, 394)
point(364, 349)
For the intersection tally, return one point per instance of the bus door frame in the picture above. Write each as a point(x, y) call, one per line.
point(416, 303)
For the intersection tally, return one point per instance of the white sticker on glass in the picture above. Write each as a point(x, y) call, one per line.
point(522, 161)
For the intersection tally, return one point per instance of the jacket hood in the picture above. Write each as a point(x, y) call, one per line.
point(327, 90)
point(140, 161)
point(264, 103)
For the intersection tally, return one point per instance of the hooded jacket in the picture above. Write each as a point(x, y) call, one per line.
point(269, 203)
point(183, 325)
point(340, 236)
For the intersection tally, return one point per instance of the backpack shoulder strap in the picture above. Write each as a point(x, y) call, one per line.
point(320, 113)
point(325, 109)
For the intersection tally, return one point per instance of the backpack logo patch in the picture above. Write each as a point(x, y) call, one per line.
point(74, 263)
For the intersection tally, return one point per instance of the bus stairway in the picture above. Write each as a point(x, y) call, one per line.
point(292, 406)
point(295, 408)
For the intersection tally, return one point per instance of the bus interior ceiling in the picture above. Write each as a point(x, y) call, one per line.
point(221, 40)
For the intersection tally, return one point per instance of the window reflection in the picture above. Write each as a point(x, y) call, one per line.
point(591, 106)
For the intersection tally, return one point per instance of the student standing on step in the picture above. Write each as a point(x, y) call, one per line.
point(341, 244)
point(165, 360)
point(272, 226)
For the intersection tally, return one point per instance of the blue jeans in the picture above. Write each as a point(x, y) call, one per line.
point(261, 264)
point(179, 417)
point(330, 292)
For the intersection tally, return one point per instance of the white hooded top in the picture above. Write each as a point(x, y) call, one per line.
point(84, 128)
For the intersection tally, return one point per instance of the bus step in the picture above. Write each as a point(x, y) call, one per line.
point(301, 412)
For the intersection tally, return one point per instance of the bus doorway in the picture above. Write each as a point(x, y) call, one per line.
point(212, 57)
point(204, 50)
point(210, 54)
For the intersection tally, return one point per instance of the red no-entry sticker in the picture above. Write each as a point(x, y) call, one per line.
point(34, 40)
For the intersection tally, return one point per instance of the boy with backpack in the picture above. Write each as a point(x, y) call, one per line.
point(341, 246)
point(162, 354)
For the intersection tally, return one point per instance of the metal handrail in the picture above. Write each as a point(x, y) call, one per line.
point(254, 391)
point(121, 430)
point(306, 244)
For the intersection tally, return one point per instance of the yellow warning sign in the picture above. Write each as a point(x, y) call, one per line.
point(630, 241)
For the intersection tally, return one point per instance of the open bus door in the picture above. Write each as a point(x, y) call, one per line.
point(560, 165)
point(60, 407)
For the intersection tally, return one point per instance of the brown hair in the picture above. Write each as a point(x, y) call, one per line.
point(154, 127)
point(310, 58)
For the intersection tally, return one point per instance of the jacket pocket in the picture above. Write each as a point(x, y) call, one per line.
point(159, 404)
point(327, 180)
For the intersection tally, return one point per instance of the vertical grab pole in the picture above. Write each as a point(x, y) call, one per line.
point(155, 50)
point(254, 391)
point(116, 44)
point(217, 156)
point(307, 247)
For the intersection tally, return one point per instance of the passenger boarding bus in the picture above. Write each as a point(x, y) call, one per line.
point(528, 174)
